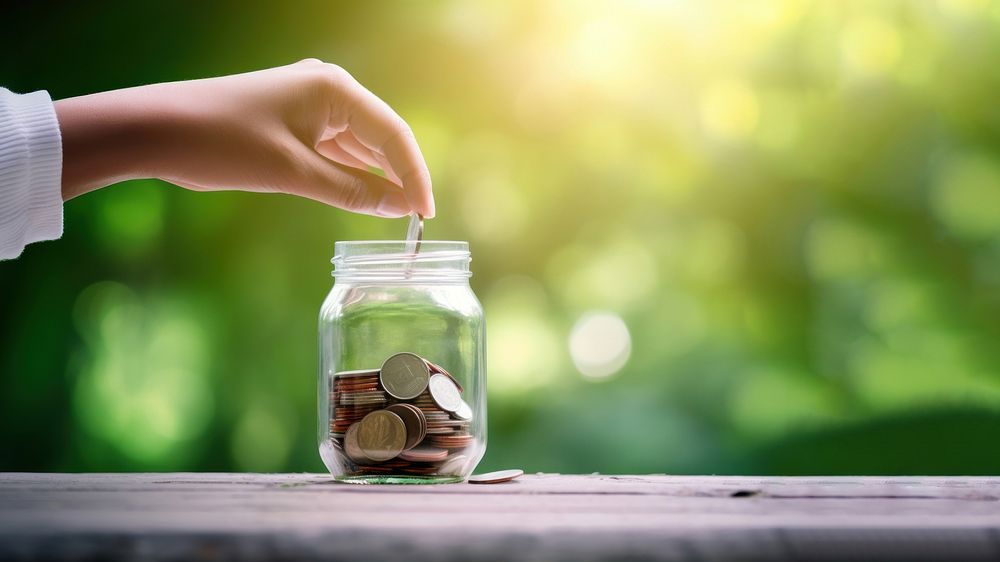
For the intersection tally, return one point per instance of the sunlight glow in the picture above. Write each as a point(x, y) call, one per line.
point(600, 344)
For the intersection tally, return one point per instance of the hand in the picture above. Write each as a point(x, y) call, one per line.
point(307, 129)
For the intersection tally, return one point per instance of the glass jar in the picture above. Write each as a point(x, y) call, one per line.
point(402, 381)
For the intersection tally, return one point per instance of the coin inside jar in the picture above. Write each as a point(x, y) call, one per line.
point(381, 435)
point(424, 454)
point(404, 375)
point(435, 368)
point(415, 422)
point(351, 447)
point(445, 393)
point(464, 411)
point(454, 465)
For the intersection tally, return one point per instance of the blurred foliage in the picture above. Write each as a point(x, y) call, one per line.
point(793, 207)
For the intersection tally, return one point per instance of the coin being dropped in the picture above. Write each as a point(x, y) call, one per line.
point(496, 477)
point(404, 375)
point(415, 231)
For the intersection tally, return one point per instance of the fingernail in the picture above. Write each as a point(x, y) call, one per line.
point(393, 205)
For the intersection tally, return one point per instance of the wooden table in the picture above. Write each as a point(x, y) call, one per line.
point(536, 518)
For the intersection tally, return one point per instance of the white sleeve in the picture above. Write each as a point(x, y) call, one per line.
point(30, 171)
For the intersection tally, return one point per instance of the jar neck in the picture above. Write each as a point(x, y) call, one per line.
point(436, 262)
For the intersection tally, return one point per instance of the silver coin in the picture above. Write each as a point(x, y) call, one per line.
point(404, 375)
point(453, 466)
point(424, 454)
point(415, 231)
point(496, 477)
point(464, 411)
point(445, 393)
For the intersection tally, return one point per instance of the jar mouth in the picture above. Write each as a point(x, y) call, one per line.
point(401, 260)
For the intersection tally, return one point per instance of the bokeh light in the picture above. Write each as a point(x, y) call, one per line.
point(142, 385)
point(600, 344)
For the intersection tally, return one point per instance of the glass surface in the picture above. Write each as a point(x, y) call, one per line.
point(388, 300)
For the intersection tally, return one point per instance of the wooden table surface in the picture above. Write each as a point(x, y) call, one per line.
point(537, 517)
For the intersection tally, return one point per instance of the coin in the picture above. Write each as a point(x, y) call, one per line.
point(439, 369)
point(424, 454)
point(464, 411)
point(404, 375)
point(496, 477)
point(444, 392)
point(413, 419)
point(438, 431)
point(415, 230)
point(351, 448)
point(453, 466)
point(450, 441)
point(381, 435)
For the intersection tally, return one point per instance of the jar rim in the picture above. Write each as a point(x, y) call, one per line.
point(440, 260)
point(346, 249)
point(422, 242)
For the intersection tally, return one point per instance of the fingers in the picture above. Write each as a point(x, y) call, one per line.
point(384, 164)
point(379, 129)
point(350, 188)
point(351, 145)
point(332, 150)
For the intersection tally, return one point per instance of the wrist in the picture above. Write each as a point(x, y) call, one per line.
point(108, 138)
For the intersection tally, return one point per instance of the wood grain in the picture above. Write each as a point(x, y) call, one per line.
point(537, 517)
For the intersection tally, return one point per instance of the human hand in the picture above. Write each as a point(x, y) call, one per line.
point(308, 129)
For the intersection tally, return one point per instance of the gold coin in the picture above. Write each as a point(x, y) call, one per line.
point(414, 420)
point(381, 435)
point(404, 375)
point(351, 448)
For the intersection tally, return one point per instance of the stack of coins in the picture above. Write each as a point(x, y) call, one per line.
point(407, 417)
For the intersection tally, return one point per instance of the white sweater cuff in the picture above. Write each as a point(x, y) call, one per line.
point(31, 206)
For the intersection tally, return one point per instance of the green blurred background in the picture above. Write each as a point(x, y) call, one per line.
point(710, 237)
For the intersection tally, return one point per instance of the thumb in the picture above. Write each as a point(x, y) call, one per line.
point(350, 189)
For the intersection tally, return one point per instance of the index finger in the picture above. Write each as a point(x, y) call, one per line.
point(384, 132)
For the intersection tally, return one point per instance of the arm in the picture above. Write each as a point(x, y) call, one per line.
point(307, 129)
